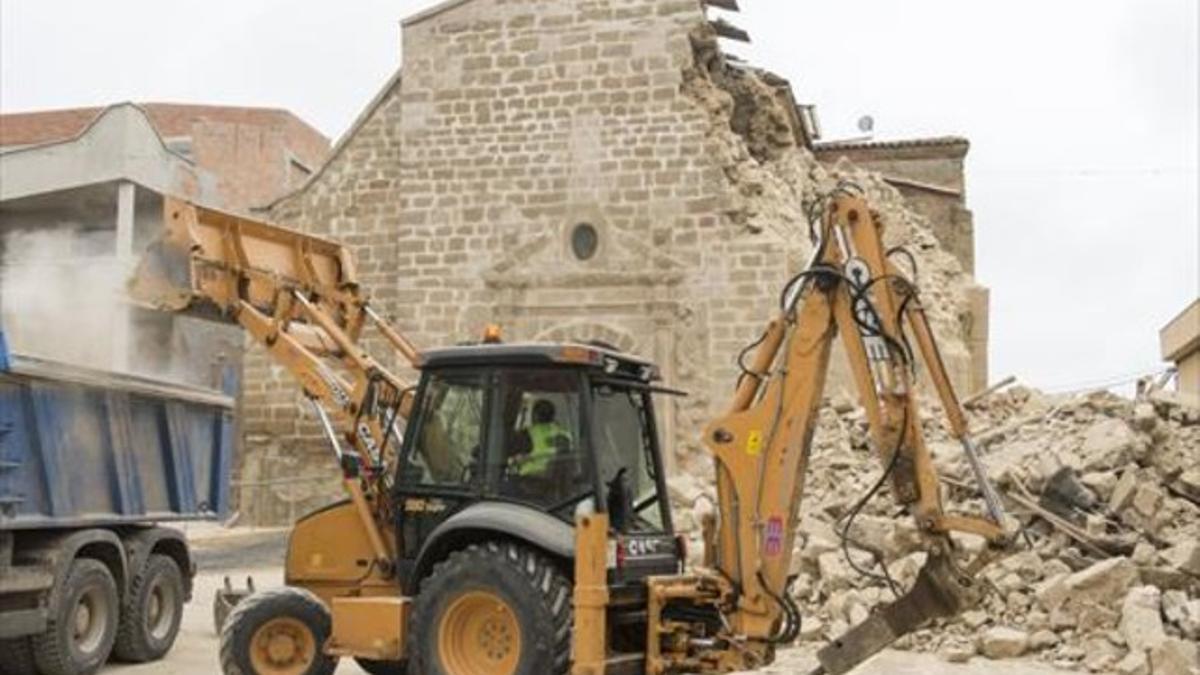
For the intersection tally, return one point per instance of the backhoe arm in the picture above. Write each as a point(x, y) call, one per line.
point(297, 295)
point(763, 443)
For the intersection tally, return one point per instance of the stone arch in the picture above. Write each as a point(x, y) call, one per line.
point(583, 331)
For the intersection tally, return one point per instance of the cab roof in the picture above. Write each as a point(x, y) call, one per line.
point(610, 361)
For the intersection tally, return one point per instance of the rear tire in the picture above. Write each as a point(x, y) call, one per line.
point(83, 623)
point(492, 609)
point(16, 657)
point(152, 613)
point(274, 632)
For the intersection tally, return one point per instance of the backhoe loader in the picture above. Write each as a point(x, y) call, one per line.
point(508, 513)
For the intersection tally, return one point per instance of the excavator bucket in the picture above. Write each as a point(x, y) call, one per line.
point(207, 261)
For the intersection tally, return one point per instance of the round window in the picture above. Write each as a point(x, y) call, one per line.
point(584, 241)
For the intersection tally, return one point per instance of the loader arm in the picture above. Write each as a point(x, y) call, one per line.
point(298, 297)
point(762, 444)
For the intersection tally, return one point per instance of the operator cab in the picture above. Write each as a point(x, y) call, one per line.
point(536, 434)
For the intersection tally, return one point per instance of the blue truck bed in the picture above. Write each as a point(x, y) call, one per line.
point(89, 448)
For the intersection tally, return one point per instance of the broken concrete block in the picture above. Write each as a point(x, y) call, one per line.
point(811, 629)
point(1185, 557)
point(1136, 663)
point(1052, 592)
point(1141, 618)
point(1003, 643)
point(1144, 554)
point(1101, 655)
point(1144, 417)
point(1043, 639)
point(974, 618)
point(1123, 491)
point(1182, 613)
point(1102, 583)
point(1175, 657)
point(957, 652)
point(1107, 445)
point(1147, 499)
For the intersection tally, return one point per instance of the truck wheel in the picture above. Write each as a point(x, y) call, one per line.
point(152, 612)
point(383, 667)
point(82, 625)
point(277, 632)
point(16, 657)
point(492, 609)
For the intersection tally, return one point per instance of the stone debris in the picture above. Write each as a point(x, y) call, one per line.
point(1141, 619)
point(1124, 599)
point(1003, 643)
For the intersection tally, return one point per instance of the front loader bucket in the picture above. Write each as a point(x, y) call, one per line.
point(225, 599)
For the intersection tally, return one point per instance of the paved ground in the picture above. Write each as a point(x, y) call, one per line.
point(258, 555)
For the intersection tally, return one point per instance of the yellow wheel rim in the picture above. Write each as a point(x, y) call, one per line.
point(283, 646)
point(479, 635)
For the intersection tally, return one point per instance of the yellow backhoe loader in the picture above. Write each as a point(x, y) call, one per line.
point(508, 514)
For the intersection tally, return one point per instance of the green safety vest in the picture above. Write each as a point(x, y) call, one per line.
point(544, 449)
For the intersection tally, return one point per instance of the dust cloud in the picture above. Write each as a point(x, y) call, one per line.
point(63, 299)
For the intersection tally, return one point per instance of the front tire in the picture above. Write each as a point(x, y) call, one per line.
point(83, 622)
point(492, 609)
point(152, 613)
point(277, 632)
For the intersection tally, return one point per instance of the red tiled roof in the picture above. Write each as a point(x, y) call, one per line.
point(170, 119)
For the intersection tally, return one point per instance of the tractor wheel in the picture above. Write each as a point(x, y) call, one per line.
point(83, 622)
point(492, 609)
point(277, 632)
point(383, 667)
point(152, 613)
point(16, 657)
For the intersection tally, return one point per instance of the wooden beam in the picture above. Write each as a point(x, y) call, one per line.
point(731, 5)
point(730, 31)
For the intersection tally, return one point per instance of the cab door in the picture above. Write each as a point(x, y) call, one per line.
point(439, 468)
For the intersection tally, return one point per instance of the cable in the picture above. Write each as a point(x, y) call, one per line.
point(844, 535)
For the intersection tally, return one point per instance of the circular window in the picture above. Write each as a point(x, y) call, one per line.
point(584, 241)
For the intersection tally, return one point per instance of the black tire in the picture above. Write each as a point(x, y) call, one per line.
point(259, 610)
point(152, 612)
point(535, 591)
point(16, 657)
point(383, 667)
point(89, 594)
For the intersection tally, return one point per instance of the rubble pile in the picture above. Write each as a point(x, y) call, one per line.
point(1107, 489)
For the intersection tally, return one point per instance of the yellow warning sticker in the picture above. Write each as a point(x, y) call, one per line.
point(754, 443)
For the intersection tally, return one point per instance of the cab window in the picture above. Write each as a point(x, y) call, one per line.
point(447, 443)
point(538, 457)
point(624, 453)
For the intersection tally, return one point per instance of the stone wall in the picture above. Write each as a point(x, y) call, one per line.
point(516, 122)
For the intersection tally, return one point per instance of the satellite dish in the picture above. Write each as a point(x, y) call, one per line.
point(866, 124)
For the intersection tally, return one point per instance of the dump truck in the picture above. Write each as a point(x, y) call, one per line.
point(507, 513)
point(92, 465)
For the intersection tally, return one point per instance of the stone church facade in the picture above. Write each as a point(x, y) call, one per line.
point(538, 164)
